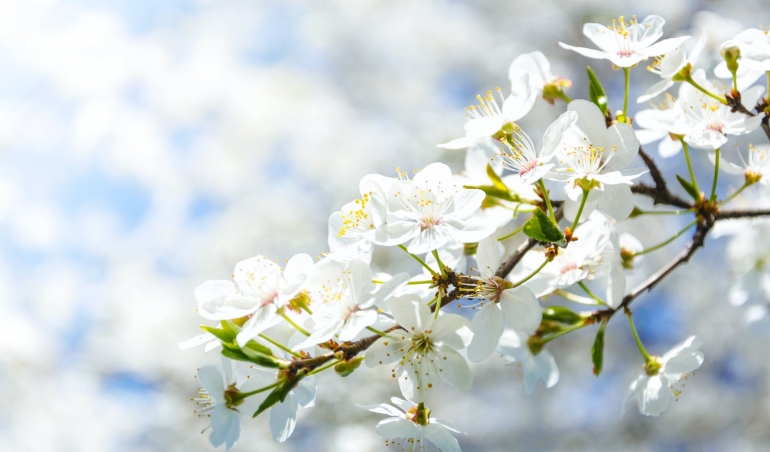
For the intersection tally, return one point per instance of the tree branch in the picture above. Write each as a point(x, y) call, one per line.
point(660, 193)
point(735, 214)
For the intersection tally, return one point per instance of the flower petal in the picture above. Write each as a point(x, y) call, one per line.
point(387, 350)
point(441, 437)
point(617, 202)
point(411, 313)
point(283, 418)
point(392, 428)
point(453, 368)
point(590, 120)
point(487, 325)
point(521, 309)
point(452, 330)
point(382, 408)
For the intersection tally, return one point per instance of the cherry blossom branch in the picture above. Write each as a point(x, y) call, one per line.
point(734, 214)
point(660, 193)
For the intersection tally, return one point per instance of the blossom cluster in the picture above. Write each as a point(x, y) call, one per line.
point(527, 222)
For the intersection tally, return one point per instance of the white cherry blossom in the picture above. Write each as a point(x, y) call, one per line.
point(283, 415)
point(519, 154)
point(627, 43)
point(672, 64)
point(709, 121)
point(425, 351)
point(259, 289)
point(662, 124)
point(355, 228)
point(342, 296)
point(535, 367)
point(432, 210)
point(407, 423)
point(756, 168)
point(489, 118)
point(657, 385)
point(516, 305)
point(596, 155)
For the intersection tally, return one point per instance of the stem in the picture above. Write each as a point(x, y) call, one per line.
point(563, 96)
point(547, 199)
point(735, 81)
point(627, 73)
point(575, 298)
point(590, 294)
point(662, 212)
point(376, 331)
point(297, 327)
point(422, 262)
point(639, 344)
point(580, 209)
point(562, 332)
point(546, 261)
point(279, 345)
point(689, 165)
point(441, 265)
point(713, 196)
point(438, 306)
point(671, 239)
point(507, 236)
point(410, 283)
point(244, 395)
point(737, 192)
point(324, 367)
point(430, 303)
point(705, 91)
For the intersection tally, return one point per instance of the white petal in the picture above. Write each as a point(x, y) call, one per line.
point(397, 428)
point(283, 418)
point(665, 46)
point(653, 397)
point(452, 330)
point(654, 90)
point(383, 408)
point(411, 313)
point(210, 379)
point(467, 201)
point(590, 53)
point(221, 300)
point(600, 35)
point(521, 309)
point(590, 120)
point(457, 143)
point(553, 135)
point(617, 202)
point(356, 323)
point(387, 350)
point(620, 139)
point(453, 368)
point(298, 271)
point(196, 341)
point(616, 286)
point(489, 256)
point(226, 427)
point(305, 392)
point(441, 437)
point(487, 325)
point(401, 403)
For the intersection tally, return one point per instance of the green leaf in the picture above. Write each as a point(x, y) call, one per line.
point(235, 354)
point(597, 351)
point(596, 91)
point(221, 334)
point(561, 314)
point(271, 399)
point(228, 325)
point(498, 189)
point(541, 227)
point(260, 355)
point(689, 188)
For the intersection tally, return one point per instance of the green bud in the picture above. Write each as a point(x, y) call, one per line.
point(554, 89)
point(627, 258)
point(470, 248)
point(561, 314)
point(345, 368)
point(731, 53)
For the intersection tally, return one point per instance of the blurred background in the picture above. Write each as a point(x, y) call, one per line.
point(148, 146)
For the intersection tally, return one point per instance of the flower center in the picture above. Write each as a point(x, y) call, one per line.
point(428, 221)
point(357, 221)
point(421, 343)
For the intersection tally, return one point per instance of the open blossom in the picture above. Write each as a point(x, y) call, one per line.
point(536, 367)
point(597, 156)
point(756, 168)
point(709, 121)
point(425, 350)
point(431, 211)
point(357, 226)
point(216, 399)
point(413, 424)
point(671, 65)
point(489, 118)
point(517, 305)
point(343, 296)
point(259, 289)
point(519, 154)
point(537, 69)
point(657, 385)
point(627, 43)
point(497, 211)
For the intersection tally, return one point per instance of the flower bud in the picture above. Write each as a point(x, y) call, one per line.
point(731, 53)
point(554, 89)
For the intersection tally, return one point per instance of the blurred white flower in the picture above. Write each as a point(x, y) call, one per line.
point(663, 123)
point(755, 169)
point(536, 367)
point(426, 350)
point(597, 156)
point(259, 288)
point(536, 67)
point(755, 57)
point(431, 211)
point(657, 385)
point(414, 425)
point(627, 43)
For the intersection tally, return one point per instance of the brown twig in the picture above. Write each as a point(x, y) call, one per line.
point(735, 214)
point(660, 193)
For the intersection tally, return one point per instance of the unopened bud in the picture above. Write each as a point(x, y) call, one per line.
point(554, 89)
point(627, 258)
point(345, 368)
point(731, 53)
